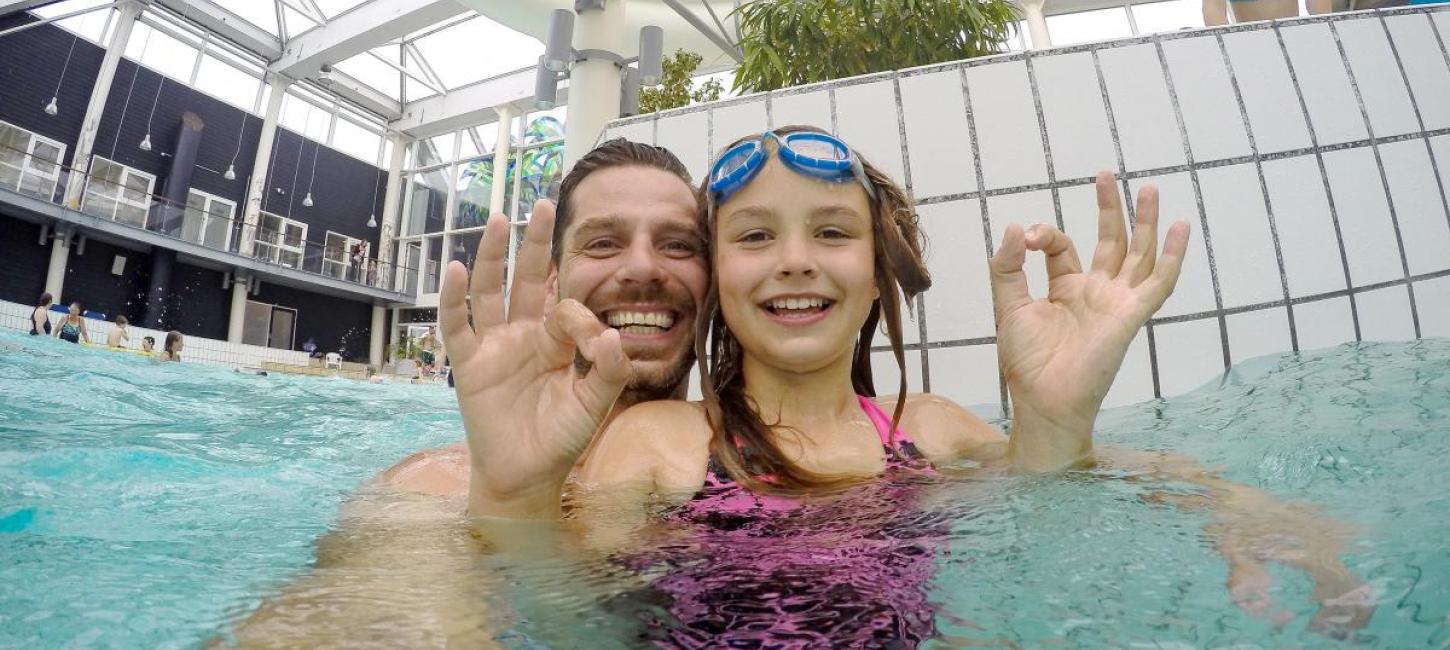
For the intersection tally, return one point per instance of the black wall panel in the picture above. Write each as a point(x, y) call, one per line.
point(88, 279)
point(31, 63)
point(199, 306)
point(24, 261)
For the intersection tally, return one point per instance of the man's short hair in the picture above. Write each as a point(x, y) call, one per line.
point(614, 153)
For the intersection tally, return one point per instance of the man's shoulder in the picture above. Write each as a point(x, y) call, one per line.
point(441, 471)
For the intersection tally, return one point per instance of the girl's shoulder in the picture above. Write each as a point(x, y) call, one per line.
point(943, 430)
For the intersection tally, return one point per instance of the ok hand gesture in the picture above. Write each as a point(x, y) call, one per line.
point(1059, 354)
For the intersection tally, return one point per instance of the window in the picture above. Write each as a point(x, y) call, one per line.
point(29, 163)
point(1088, 26)
point(208, 220)
point(115, 191)
point(280, 240)
point(268, 326)
point(344, 257)
point(1167, 16)
point(221, 79)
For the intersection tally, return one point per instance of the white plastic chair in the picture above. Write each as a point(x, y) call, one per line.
point(333, 360)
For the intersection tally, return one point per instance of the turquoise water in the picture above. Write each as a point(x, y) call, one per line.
point(155, 505)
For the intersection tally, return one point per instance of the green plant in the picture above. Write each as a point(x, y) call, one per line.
point(795, 42)
point(676, 88)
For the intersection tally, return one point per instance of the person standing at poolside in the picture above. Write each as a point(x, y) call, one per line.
point(73, 327)
point(119, 336)
point(171, 351)
point(40, 316)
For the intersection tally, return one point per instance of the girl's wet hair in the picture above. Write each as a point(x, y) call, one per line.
point(741, 440)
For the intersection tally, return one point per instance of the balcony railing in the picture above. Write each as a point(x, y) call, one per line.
point(127, 206)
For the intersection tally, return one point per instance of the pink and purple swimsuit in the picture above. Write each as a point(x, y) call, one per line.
point(761, 571)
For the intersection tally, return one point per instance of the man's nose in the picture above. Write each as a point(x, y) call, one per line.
point(641, 264)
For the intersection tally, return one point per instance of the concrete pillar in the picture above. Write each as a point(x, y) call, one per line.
point(389, 217)
point(158, 293)
point(594, 84)
point(1036, 24)
point(236, 317)
point(375, 344)
point(81, 162)
point(257, 187)
point(59, 257)
point(393, 331)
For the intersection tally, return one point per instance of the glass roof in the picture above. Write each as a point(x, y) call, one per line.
point(461, 50)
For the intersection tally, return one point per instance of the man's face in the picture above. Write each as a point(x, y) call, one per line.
point(633, 254)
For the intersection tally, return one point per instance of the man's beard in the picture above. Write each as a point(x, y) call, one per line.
point(651, 386)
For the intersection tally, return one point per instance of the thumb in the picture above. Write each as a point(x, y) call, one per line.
point(610, 373)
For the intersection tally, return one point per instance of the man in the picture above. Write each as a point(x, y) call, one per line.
point(625, 251)
point(627, 245)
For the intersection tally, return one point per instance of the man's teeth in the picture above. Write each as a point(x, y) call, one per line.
point(797, 303)
point(632, 319)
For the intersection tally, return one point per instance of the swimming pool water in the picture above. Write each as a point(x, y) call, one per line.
point(155, 505)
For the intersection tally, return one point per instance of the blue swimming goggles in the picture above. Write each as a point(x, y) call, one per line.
point(816, 155)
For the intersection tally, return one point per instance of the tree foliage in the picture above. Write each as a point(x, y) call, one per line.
point(794, 42)
point(676, 88)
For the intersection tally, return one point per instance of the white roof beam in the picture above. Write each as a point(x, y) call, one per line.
point(358, 30)
point(364, 96)
point(213, 18)
point(470, 105)
point(8, 7)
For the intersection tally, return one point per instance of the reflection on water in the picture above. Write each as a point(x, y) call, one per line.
point(154, 505)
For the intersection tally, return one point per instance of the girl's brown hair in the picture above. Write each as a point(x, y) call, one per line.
point(742, 441)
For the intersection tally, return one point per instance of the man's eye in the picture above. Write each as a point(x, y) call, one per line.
point(681, 246)
point(600, 245)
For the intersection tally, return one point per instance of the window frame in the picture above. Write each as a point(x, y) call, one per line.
point(117, 196)
point(27, 166)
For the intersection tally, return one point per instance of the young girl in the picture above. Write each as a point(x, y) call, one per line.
point(812, 248)
point(171, 350)
point(73, 327)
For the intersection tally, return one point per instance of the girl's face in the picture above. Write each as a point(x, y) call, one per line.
point(794, 257)
point(75, 310)
point(180, 343)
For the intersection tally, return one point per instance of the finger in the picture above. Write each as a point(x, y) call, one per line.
point(1165, 272)
point(526, 298)
point(570, 326)
point(458, 336)
point(1139, 263)
point(1112, 234)
point(489, 267)
point(1061, 255)
point(599, 389)
point(1009, 283)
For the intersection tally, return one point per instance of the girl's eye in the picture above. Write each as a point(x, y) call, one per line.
point(754, 237)
point(835, 233)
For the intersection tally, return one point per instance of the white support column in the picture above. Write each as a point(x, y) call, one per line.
point(375, 343)
point(1036, 24)
point(59, 257)
point(81, 162)
point(237, 316)
point(257, 184)
point(389, 217)
point(594, 84)
point(501, 151)
point(393, 331)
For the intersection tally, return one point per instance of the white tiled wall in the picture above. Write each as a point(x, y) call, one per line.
point(1364, 182)
point(198, 350)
